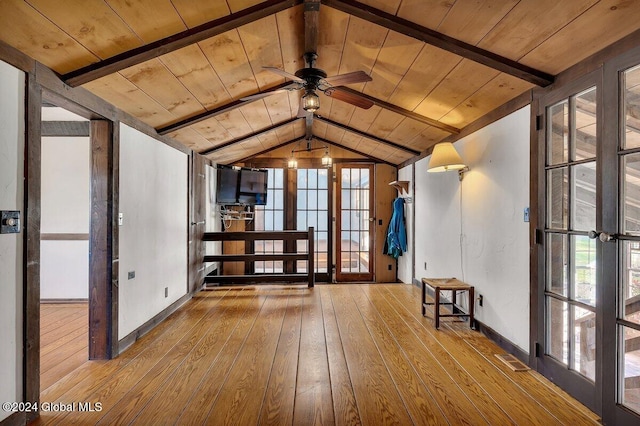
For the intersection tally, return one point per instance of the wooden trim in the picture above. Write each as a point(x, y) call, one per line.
point(136, 334)
point(365, 135)
point(214, 112)
point(536, 221)
point(252, 135)
point(198, 197)
point(62, 301)
point(500, 112)
point(355, 151)
point(63, 237)
point(280, 145)
point(434, 38)
point(100, 258)
point(409, 114)
point(177, 41)
point(502, 341)
point(80, 100)
point(16, 419)
point(115, 237)
point(31, 255)
point(65, 128)
point(16, 58)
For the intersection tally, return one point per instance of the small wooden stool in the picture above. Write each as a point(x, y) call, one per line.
point(447, 284)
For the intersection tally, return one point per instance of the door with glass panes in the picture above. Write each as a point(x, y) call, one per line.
point(588, 338)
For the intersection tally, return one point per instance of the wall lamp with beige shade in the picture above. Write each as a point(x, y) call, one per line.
point(445, 158)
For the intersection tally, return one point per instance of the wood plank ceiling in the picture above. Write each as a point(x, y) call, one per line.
point(436, 66)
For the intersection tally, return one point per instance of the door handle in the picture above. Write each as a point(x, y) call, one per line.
point(602, 236)
point(371, 219)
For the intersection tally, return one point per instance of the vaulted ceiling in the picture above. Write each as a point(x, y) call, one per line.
point(184, 66)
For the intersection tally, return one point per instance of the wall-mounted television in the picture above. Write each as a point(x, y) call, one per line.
point(241, 186)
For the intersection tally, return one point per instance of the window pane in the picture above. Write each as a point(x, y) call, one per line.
point(323, 179)
point(312, 198)
point(313, 178)
point(584, 269)
point(323, 221)
point(302, 199)
point(631, 105)
point(585, 144)
point(558, 133)
point(346, 199)
point(323, 199)
point(346, 178)
point(345, 223)
point(631, 194)
point(279, 199)
point(557, 264)
point(302, 220)
point(631, 281)
point(312, 219)
point(278, 220)
point(630, 368)
point(302, 178)
point(557, 190)
point(583, 195)
point(279, 178)
point(584, 342)
point(557, 328)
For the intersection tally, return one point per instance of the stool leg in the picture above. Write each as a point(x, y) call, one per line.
point(437, 307)
point(472, 302)
point(424, 299)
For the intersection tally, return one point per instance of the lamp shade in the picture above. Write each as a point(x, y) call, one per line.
point(445, 157)
point(310, 101)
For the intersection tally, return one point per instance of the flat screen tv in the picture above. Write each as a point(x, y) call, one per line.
point(241, 186)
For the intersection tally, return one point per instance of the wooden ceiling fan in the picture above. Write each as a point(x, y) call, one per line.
point(313, 79)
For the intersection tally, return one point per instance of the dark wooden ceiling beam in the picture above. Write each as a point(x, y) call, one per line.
point(252, 135)
point(355, 151)
point(434, 38)
point(212, 113)
point(410, 114)
point(264, 151)
point(176, 41)
point(366, 135)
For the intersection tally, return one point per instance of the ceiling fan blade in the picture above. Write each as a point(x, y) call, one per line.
point(285, 74)
point(348, 97)
point(262, 95)
point(311, 25)
point(348, 78)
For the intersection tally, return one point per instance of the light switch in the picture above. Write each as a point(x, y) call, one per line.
point(120, 219)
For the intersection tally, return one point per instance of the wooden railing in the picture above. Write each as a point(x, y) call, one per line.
point(289, 239)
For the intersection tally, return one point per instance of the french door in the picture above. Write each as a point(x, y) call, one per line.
point(588, 304)
point(355, 223)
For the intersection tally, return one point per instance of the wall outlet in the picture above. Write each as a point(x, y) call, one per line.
point(390, 267)
point(425, 266)
point(527, 214)
point(166, 292)
point(120, 219)
point(131, 275)
point(480, 300)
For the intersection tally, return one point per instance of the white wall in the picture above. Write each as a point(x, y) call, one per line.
point(213, 219)
point(153, 237)
point(488, 244)
point(405, 265)
point(65, 209)
point(11, 262)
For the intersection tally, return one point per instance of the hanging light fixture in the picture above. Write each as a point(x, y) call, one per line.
point(445, 158)
point(327, 161)
point(292, 163)
point(310, 101)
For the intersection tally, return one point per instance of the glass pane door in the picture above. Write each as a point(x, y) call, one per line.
point(628, 318)
point(570, 255)
point(355, 223)
point(270, 217)
point(312, 209)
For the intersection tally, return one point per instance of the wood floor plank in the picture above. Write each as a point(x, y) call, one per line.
point(111, 380)
point(511, 398)
point(344, 400)
point(240, 401)
point(375, 391)
point(457, 394)
point(205, 395)
point(422, 408)
point(281, 391)
point(313, 403)
point(179, 387)
point(567, 407)
point(95, 372)
point(335, 354)
point(140, 381)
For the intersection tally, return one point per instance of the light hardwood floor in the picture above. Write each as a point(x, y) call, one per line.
point(335, 354)
point(64, 340)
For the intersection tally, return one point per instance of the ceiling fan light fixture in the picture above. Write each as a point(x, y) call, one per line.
point(310, 101)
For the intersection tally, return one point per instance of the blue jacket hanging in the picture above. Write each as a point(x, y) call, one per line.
point(396, 241)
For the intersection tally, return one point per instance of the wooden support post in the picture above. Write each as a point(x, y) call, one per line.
point(310, 263)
